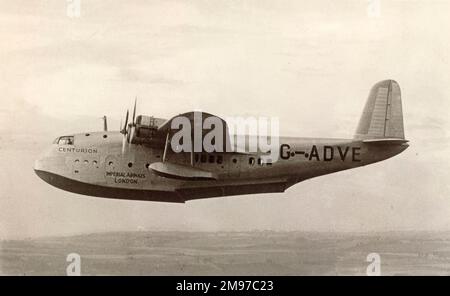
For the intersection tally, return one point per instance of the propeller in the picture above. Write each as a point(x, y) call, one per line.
point(133, 123)
point(128, 132)
point(124, 131)
point(134, 110)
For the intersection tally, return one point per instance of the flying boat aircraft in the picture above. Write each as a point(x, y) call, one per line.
point(139, 162)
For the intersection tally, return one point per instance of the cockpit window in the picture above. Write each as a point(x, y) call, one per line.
point(66, 140)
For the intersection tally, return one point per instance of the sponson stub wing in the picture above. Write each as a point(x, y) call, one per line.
point(182, 172)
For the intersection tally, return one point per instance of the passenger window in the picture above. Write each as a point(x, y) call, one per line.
point(259, 161)
point(251, 161)
point(211, 159)
point(197, 157)
point(219, 159)
point(203, 158)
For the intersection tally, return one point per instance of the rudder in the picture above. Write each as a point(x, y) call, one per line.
point(382, 117)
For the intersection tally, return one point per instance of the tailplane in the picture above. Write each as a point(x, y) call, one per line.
point(382, 118)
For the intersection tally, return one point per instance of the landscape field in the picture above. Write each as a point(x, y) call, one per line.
point(229, 253)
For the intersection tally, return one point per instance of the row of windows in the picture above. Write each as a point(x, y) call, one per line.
point(86, 161)
point(252, 161)
point(203, 158)
point(94, 162)
point(130, 164)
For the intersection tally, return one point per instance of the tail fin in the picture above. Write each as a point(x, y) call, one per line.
point(382, 117)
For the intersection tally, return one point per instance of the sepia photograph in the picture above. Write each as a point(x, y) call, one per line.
point(225, 138)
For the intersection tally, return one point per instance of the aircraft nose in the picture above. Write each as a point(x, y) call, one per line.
point(40, 167)
point(43, 160)
point(41, 171)
point(44, 165)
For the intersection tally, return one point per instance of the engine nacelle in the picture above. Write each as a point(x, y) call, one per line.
point(143, 131)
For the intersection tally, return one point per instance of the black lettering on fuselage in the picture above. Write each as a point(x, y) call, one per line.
point(284, 151)
point(314, 153)
point(343, 154)
point(125, 180)
point(125, 175)
point(77, 150)
point(356, 153)
point(328, 153)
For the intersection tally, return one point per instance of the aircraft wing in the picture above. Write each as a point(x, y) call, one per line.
point(155, 132)
point(197, 120)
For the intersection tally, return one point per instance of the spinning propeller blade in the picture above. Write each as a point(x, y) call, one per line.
point(134, 110)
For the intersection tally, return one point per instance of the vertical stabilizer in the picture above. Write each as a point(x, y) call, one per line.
point(382, 117)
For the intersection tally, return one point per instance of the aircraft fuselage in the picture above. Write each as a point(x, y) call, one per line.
point(95, 164)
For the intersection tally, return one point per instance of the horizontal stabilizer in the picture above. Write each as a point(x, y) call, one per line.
point(386, 141)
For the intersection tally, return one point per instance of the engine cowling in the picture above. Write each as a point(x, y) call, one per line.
point(143, 131)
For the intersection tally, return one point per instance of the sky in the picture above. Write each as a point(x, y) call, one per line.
point(309, 63)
